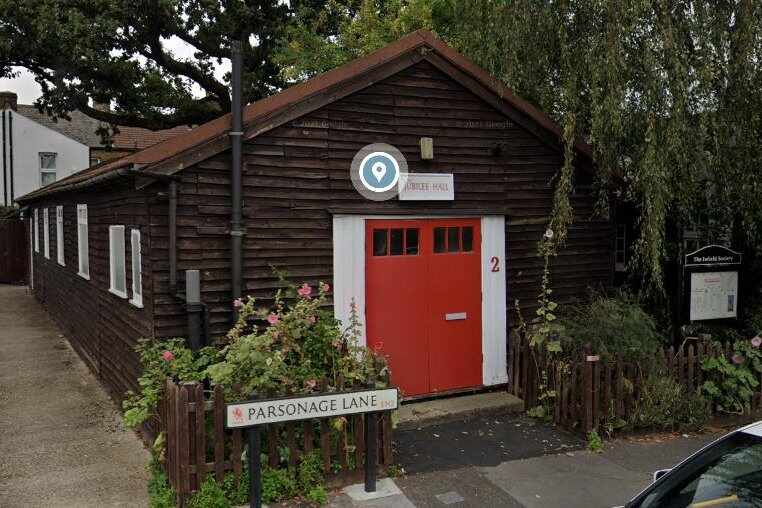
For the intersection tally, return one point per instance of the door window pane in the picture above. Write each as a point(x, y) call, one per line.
point(379, 242)
point(396, 242)
point(467, 239)
point(439, 240)
point(411, 242)
point(453, 239)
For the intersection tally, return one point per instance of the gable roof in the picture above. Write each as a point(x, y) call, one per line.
point(203, 141)
point(83, 128)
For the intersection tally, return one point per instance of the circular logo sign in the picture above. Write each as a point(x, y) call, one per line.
point(376, 171)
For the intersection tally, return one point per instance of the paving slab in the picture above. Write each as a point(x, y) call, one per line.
point(416, 414)
point(62, 440)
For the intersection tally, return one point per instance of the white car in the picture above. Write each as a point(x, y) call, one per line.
point(726, 473)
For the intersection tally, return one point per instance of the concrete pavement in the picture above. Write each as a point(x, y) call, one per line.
point(62, 442)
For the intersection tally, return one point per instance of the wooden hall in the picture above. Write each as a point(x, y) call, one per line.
point(434, 281)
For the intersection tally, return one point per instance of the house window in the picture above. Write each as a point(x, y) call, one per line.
point(47, 168)
point(37, 230)
point(137, 275)
point(46, 233)
point(118, 284)
point(60, 235)
point(620, 252)
point(83, 249)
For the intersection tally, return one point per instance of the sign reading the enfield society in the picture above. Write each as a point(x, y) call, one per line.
point(426, 187)
point(260, 412)
point(713, 289)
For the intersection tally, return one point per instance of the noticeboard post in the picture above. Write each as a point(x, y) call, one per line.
point(254, 413)
point(711, 277)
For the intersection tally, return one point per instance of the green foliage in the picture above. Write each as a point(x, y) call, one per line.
point(310, 471)
point(666, 405)
point(161, 360)
point(395, 471)
point(160, 494)
point(278, 484)
point(594, 442)
point(731, 383)
point(301, 347)
point(236, 489)
point(127, 53)
point(210, 495)
point(612, 325)
point(317, 495)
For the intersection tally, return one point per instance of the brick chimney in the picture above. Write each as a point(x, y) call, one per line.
point(9, 100)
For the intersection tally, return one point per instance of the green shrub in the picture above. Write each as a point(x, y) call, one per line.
point(664, 404)
point(730, 384)
point(594, 442)
point(611, 325)
point(236, 489)
point(278, 485)
point(160, 494)
point(317, 495)
point(210, 495)
point(310, 472)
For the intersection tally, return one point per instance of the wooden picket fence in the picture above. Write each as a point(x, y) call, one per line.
point(198, 444)
point(589, 391)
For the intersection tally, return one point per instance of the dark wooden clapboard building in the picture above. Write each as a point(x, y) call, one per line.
point(434, 278)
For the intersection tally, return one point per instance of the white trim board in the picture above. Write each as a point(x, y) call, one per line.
point(349, 283)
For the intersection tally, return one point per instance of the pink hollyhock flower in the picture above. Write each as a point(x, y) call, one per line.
point(756, 341)
point(310, 383)
point(324, 287)
point(238, 303)
point(312, 319)
point(167, 356)
point(737, 359)
point(273, 319)
point(305, 291)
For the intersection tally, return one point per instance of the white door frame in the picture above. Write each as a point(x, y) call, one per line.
point(349, 282)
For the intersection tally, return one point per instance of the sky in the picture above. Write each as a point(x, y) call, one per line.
point(28, 90)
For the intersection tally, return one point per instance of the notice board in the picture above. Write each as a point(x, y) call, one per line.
point(713, 295)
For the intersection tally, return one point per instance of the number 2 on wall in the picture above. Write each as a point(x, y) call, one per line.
point(495, 262)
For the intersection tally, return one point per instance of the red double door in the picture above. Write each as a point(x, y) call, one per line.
point(423, 301)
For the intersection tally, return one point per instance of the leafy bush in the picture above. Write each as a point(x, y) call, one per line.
point(278, 484)
point(594, 442)
point(666, 405)
point(161, 360)
point(730, 384)
point(236, 489)
point(160, 494)
point(611, 325)
point(210, 495)
point(301, 347)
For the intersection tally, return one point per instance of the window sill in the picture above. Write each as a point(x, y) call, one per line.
point(118, 293)
point(62, 264)
point(136, 303)
point(84, 275)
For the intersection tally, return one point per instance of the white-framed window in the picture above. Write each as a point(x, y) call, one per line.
point(37, 230)
point(83, 248)
point(60, 235)
point(117, 270)
point(620, 250)
point(46, 233)
point(47, 168)
point(137, 270)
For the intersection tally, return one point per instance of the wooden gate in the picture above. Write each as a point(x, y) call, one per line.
point(13, 252)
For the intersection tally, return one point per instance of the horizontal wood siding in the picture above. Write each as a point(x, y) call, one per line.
point(297, 175)
point(101, 326)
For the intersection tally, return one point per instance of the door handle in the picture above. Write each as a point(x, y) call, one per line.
point(456, 316)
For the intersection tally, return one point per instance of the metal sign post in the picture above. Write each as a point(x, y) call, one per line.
point(254, 413)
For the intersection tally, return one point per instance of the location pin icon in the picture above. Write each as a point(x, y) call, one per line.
point(378, 170)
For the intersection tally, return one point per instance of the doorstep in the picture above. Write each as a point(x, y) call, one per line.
point(415, 414)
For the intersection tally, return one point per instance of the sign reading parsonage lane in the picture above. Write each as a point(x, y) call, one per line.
point(324, 405)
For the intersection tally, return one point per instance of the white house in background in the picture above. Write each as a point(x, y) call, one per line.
point(36, 150)
point(32, 154)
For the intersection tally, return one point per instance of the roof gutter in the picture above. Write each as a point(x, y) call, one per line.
point(129, 170)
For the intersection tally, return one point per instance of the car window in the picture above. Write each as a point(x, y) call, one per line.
point(727, 475)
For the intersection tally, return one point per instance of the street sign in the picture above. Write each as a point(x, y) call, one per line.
point(426, 187)
point(323, 405)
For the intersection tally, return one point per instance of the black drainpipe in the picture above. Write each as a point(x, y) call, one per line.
point(10, 154)
point(5, 173)
point(236, 132)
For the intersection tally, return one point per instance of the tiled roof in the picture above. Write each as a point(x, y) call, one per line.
point(84, 129)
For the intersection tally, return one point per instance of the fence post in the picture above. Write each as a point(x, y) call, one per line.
point(255, 465)
point(588, 397)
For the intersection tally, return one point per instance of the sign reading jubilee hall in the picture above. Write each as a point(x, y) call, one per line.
point(261, 412)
